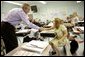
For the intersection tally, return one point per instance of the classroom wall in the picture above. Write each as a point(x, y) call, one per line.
point(50, 10)
point(59, 9)
point(5, 7)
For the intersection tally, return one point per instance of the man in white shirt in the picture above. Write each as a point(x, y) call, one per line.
point(8, 24)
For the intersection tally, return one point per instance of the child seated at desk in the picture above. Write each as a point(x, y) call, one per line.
point(61, 36)
point(74, 44)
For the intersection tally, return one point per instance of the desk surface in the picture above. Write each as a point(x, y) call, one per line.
point(81, 27)
point(48, 33)
point(22, 52)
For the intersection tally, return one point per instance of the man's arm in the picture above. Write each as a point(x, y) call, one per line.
point(24, 18)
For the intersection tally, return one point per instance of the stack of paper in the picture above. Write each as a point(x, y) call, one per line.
point(35, 46)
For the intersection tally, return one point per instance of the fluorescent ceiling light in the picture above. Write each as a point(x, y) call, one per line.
point(78, 1)
point(43, 2)
point(13, 3)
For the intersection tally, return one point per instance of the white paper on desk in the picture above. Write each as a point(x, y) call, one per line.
point(75, 30)
point(32, 48)
point(23, 31)
point(46, 31)
point(38, 43)
point(82, 28)
point(35, 30)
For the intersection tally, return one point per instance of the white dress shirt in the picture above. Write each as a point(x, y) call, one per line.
point(16, 15)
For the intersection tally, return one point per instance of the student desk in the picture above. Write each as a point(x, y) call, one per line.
point(79, 30)
point(47, 34)
point(23, 32)
point(23, 52)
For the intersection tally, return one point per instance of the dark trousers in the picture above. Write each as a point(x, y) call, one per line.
point(8, 35)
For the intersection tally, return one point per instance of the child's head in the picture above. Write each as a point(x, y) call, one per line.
point(68, 18)
point(57, 22)
point(75, 14)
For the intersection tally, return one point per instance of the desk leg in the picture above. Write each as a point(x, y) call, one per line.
point(20, 40)
point(67, 47)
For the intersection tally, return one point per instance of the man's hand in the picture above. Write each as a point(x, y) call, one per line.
point(41, 29)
